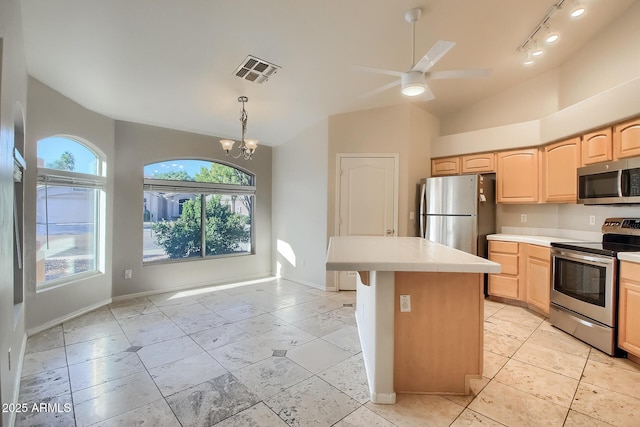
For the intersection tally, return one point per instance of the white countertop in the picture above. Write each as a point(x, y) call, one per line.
point(629, 256)
point(533, 240)
point(372, 253)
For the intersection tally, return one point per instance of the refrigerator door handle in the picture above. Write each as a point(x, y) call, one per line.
point(423, 208)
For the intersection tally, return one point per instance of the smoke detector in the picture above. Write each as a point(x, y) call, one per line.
point(256, 70)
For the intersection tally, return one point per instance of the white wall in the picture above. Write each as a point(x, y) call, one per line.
point(49, 114)
point(300, 206)
point(13, 101)
point(138, 145)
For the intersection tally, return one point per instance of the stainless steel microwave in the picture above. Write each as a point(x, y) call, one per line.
point(610, 183)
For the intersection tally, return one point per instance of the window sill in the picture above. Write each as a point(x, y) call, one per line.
point(54, 284)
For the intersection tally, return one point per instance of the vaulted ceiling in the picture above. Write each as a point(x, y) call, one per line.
point(171, 63)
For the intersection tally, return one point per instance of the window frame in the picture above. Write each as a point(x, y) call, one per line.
point(203, 189)
point(62, 178)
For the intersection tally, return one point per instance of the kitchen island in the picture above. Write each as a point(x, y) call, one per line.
point(432, 343)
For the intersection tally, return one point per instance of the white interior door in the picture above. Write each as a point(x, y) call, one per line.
point(367, 201)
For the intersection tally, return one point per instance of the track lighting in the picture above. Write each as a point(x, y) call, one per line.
point(577, 10)
point(528, 60)
point(537, 50)
point(552, 38)
point(542, 31)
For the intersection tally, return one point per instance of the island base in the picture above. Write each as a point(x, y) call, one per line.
point(437, 347)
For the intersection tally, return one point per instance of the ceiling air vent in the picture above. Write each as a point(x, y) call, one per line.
point(256, 69)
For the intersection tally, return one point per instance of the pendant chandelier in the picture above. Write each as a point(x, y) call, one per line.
point(247, 146)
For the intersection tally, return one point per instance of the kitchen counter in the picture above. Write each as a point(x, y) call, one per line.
point(434, 342)
point(372, 253)
point(629, 256)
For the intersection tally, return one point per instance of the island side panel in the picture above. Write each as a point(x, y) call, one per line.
point(438, 346)
point(374, 316)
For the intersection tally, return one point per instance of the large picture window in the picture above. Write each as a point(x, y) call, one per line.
point(194, 204)
point(70, 194)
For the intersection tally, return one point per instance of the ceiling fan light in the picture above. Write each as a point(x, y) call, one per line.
point(414, 89)
point(413, 83)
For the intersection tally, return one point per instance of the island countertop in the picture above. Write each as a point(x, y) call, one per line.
point(373, 253)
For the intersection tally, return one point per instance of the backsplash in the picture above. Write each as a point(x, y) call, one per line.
point(546, 217)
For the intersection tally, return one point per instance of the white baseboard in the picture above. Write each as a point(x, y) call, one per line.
point(383, 398)
point(67, 317)
point(193, 286)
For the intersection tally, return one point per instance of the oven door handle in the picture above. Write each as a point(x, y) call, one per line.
point(604, 261)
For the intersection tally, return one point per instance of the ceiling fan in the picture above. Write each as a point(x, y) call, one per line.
point(414, 81)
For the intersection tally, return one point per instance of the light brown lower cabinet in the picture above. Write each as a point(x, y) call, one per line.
point(629, 309)
point(538, 275)
point(525, 276)
point(507, 284)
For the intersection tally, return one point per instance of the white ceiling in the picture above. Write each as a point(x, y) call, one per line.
point(170, 63)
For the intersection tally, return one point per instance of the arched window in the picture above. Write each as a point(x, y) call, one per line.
point(70, 200)
point(193, 204)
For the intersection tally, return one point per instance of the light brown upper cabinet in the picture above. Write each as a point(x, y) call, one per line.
point(479, 163)
point(597, 147)
point(626, 139)
point(445, 166)
point(560, 162)
point(518, 176)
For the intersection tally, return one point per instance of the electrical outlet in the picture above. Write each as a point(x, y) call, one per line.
point(128, 274)
point(592, 220)
point(412, 216)
point(523, 217)
point(405, 303)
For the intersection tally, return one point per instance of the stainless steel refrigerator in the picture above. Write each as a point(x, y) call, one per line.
point(459, 211)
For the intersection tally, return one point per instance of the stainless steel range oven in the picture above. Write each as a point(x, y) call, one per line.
point(584, 290)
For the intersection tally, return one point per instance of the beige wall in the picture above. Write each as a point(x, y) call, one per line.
point(608, 60)
point(300, 207)
point(137, 145)
point(598, 85)
point(403, 129)
point(530, 100)
point(13, 101)
point(49, 114)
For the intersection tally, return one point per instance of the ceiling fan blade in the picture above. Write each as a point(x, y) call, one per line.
point(436, 52)
point(380, 89)
point(427, 95)
point(378, 70)
point(459, 74)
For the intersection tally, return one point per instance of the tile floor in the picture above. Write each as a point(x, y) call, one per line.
point(206, 357)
